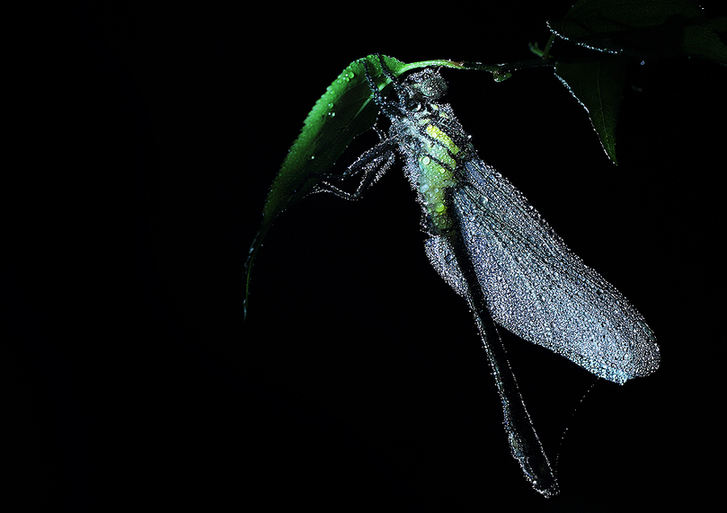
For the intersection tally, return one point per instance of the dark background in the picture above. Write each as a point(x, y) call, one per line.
point(146, 138)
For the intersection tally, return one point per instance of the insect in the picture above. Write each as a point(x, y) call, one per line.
point(496, 251)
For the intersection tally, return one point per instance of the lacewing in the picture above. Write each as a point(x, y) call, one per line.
point(496, 251)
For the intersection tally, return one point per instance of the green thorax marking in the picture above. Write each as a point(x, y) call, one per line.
point(437, 164)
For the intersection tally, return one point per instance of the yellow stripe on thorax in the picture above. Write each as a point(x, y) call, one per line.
point(438, 135)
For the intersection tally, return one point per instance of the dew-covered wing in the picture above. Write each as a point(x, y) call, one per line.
point(541, 291)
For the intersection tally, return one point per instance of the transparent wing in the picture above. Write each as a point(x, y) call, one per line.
point(541, 291)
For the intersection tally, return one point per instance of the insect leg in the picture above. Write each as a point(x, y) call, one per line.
point(374, 173)
point(371, 165)
point(379, 132)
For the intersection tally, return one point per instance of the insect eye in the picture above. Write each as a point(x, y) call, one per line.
point(414, 104)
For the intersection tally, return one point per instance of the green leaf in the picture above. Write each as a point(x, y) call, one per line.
point(345, 111)
point(598, 86)
point(643, 28)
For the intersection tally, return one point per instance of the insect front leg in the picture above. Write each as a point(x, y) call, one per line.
point(370, 166)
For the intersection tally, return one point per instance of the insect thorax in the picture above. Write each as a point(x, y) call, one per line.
point(434, 146)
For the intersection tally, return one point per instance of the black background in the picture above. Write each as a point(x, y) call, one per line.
point(147, 139)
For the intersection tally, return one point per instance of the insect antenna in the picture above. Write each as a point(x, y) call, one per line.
point(387, 106)
point(395, 82)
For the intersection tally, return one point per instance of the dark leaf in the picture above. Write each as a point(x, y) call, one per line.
point(598, 86)
point(702, 41)
point(643, 28)
point(587, 18)
point(719, 25)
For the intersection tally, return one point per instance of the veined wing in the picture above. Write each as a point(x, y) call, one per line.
point(446, 254)
point(541, 291)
